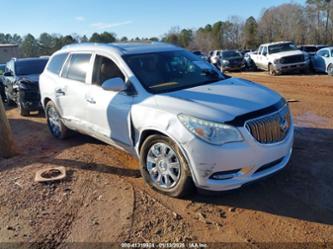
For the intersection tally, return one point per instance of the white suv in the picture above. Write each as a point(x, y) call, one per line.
point(185, 121)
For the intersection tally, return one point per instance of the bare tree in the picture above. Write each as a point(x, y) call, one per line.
point(7, 146)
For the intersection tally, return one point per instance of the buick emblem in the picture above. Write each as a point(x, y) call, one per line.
point(283, 123)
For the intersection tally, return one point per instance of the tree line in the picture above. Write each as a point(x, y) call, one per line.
point(46, 44)
point(311, 23)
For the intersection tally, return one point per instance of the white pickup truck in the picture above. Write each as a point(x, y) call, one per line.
point(279, 57)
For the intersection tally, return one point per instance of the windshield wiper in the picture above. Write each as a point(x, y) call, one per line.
point(164, 84)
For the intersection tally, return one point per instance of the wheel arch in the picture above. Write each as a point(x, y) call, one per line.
point(155, 131)
point(45, 101)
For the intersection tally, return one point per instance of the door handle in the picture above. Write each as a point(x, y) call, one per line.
point(91, 100)
point(60, 91)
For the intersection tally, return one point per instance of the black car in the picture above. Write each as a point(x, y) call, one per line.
point(21, 82)
point(2, 88)
point(311, 49)
point(231, 60)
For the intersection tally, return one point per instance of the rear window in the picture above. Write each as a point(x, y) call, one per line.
point(28, 67)
point(76, 67)
point(56, 63)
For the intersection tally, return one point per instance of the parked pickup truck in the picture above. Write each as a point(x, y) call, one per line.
point(280, 57)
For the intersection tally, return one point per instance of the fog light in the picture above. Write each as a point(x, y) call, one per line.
point(224, 175)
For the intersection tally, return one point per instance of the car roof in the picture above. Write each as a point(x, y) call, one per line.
point(123, 48)
point(29, 59)
point(276, 43)
point(327, 48)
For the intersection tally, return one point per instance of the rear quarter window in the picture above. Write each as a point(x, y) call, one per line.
point(56, 63)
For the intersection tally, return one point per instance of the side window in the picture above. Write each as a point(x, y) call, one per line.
point(326, 53)
point(56, 63)
point(323, 53)
point(105, 69)
point(259, 50)
point(76, 67)
point(264, 51)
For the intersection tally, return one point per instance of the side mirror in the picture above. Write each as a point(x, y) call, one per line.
point(8, 74)
point(264, 53)
point(114, 84)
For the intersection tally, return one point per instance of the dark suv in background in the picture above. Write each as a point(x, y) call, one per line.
point(21, 82)
point(2, 88)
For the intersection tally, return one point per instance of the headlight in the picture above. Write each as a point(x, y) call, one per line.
point(225, 62)
point(306, 57)
point(211, 132)
point(276, 61)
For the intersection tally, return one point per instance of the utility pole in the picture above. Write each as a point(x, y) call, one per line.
point(7, 145)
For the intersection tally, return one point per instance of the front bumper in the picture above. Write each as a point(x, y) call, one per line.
point(284, 68)
point(30, 100)
point(247, 157)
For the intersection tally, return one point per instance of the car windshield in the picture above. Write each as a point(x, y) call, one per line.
point(230, 54)
point(2, 68)
point(170, 71)
point(283, 47)
point(26, 67)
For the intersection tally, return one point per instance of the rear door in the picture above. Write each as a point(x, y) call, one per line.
point(108, 112)
point(71, 90)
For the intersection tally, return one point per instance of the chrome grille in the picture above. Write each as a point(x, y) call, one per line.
point(271, 128)
point(292, 59)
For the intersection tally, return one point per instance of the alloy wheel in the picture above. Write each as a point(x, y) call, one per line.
point(54, 121)
point(163, 165)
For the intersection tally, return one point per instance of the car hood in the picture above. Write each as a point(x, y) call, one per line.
point(286, 54)
point(221, 101)
point(232, 58)
point(32, 78)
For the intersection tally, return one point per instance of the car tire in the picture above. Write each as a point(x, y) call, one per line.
point(271, 70)
point(54, 122)
point(252, 66)
point(330, 70)
point(160, 169)
point(23, 112)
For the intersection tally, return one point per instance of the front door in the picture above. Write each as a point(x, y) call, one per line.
point(108, 112)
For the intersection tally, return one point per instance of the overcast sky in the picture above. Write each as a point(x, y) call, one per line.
point(131, 18)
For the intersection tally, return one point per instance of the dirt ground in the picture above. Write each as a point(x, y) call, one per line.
point(104, 199)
